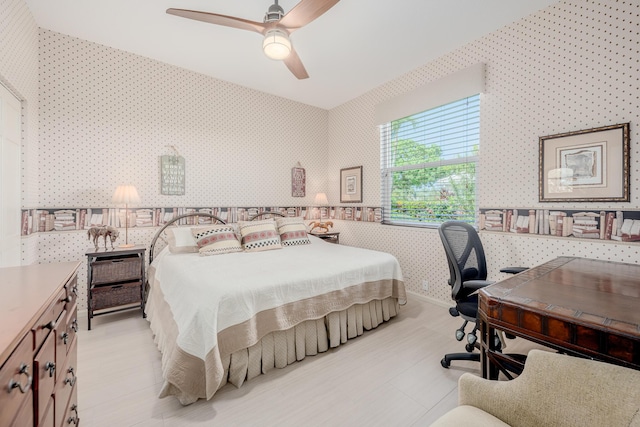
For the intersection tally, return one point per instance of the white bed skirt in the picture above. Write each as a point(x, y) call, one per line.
point(189, 378)
point(281, 348)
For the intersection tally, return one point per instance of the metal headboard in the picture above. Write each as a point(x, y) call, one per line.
point(196, 214)
point(172, 221)
point(261, 214)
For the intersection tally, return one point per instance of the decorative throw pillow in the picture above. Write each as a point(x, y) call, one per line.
point(293, 231)
point(259, 235)
point(216, 239)
point(181, 240)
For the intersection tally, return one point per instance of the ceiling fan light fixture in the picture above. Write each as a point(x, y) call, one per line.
point(276, 44)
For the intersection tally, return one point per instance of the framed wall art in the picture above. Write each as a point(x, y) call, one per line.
point(351, 185)
point(298, 181)
point(172, 175)
point(589, 165)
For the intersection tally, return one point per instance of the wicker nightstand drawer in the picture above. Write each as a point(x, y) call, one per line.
point(115, 270)
point(116, 280)
point(115, 295)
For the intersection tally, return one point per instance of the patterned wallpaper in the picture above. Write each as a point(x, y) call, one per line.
point(19, 72)
point(107, 115)
point(571, 66)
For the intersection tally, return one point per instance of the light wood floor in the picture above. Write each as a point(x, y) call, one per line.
point(390, 376)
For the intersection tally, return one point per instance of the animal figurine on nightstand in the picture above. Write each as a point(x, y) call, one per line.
point(105, 231)
point(323, 227)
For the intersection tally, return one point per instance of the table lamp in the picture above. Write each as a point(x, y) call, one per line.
point(126, 195)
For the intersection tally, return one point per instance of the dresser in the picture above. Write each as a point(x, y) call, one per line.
point(38, 345)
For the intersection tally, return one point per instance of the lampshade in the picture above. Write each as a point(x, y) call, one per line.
point(126, 195)
point(321, 199)
point(276, 44)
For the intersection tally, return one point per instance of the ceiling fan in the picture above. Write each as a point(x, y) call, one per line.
point(275, 28)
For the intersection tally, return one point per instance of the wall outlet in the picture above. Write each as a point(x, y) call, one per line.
point(425, 285)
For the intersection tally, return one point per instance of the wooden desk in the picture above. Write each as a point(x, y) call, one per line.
point(580, 306)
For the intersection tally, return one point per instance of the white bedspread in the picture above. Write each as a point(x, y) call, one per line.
point(208, 294)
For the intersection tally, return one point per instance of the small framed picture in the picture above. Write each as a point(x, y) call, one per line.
point(585, 166)
point(351, 185)
point(298, 182)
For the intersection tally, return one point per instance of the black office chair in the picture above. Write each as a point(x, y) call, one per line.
point(468, 273)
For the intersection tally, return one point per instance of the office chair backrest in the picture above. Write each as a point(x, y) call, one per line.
point(465, 255)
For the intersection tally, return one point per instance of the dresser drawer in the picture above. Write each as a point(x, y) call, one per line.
point(17, 376)
point(25, 415)
point(116, 270)
point(62, 342)
point(45, 369)
point(66, 384)
point(71, 416)
point(48, 320)
point(71, 289)
point(72, 325)
point(114, 295)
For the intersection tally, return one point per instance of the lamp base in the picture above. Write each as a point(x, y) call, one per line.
point(127, 245)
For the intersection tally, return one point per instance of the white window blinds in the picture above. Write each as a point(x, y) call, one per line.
point(428, 165)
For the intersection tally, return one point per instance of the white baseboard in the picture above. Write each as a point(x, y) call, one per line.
point(431, 300)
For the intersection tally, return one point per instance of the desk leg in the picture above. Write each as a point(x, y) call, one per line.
point(484, 342)
point(487, 346)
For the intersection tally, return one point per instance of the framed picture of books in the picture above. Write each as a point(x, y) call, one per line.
point(351, 185)
point(589, 165)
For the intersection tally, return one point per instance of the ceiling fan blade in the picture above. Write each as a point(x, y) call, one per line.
point(214, 18)
point(294, 64)
point(305, 12)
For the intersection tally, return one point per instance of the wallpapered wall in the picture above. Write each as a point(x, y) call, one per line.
point(571, 66)
point(19, 73)
point(106, 116)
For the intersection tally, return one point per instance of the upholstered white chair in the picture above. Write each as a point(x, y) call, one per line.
point(553, 390)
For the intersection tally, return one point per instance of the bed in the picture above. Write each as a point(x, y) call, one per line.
point(230, 317)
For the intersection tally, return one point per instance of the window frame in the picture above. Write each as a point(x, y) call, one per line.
point(387, 172)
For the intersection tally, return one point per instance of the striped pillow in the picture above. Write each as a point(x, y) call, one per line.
point(259, 235)
point(216, 239)
point(293, 231)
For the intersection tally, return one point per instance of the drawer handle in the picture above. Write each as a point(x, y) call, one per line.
point(74, 325)
point(24, 370)
point(68, 298)
point(74, 290)
point(65, 337)
point(49, 325)
point(75, 419)
point(71, 381)
point(51, 367)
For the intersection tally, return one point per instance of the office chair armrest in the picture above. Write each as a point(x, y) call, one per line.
point(513, 270)
point(476, 284)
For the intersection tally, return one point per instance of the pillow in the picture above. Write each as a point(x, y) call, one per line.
point(293, 231)
point(259, 235)
point(216, 239)
point(181, 240)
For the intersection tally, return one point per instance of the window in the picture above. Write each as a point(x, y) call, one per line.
point(429, 164)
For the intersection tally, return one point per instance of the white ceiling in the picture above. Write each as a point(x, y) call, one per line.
point(354, 47)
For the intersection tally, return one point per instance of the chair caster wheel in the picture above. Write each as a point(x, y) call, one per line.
point(444, 363)
point(469, 348)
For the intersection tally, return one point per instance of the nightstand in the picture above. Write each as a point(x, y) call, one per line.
point(115, 280)
point(328, 237)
